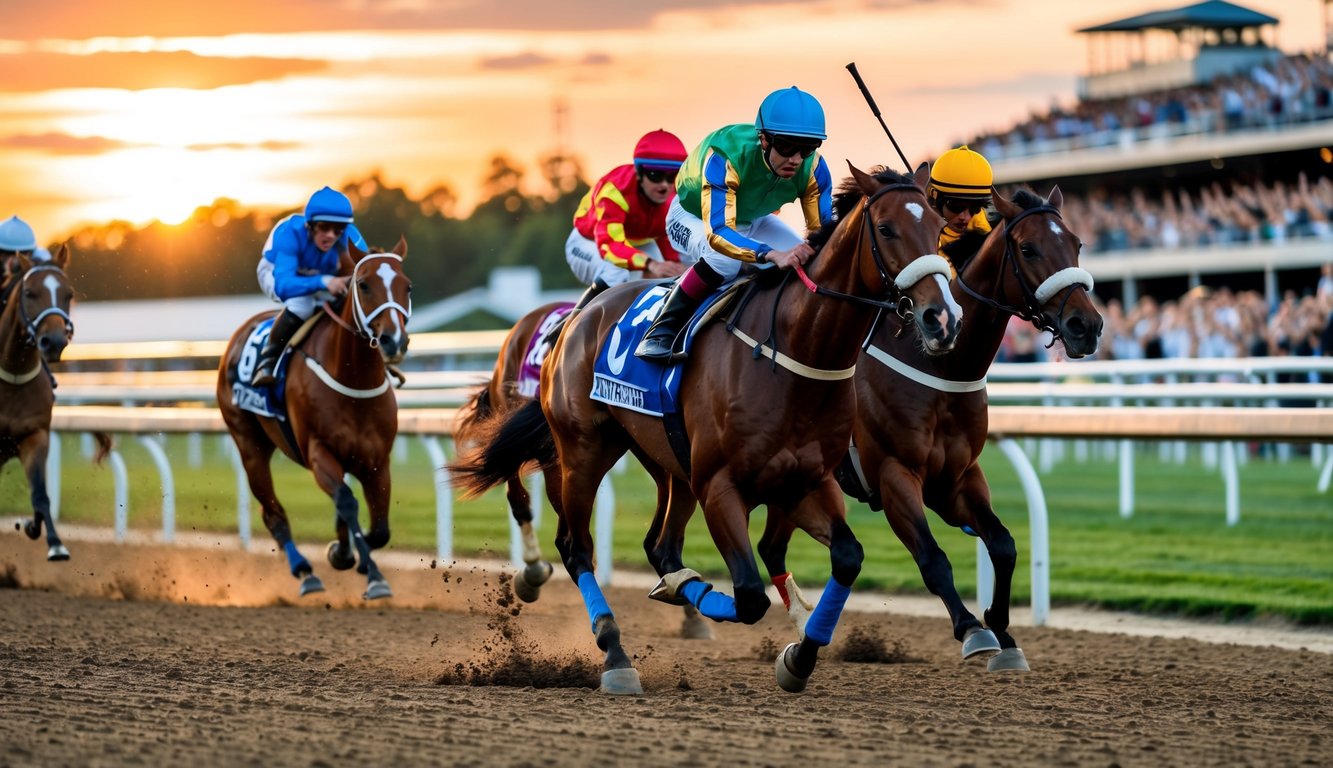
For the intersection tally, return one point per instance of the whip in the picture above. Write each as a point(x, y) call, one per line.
point(875, 109)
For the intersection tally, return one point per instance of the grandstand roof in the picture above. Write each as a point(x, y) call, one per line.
point(1213, 14)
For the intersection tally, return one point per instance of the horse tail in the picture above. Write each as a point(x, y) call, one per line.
point(476, 411)
point(505, 446)
point(104, 446)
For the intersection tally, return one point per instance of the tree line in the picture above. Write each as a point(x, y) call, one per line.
point(215, 251)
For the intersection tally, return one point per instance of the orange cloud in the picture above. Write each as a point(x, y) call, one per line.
point(63, 143)
point(138, 71)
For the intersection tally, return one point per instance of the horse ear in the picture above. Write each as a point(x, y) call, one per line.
point(864, 180)
point(922, 175)
point(1056, 198)
point(401, 247)
point(61, 257)
point(1007, 209)
point(348, 259)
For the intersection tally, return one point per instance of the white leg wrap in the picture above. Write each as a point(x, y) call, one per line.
point(531, 551)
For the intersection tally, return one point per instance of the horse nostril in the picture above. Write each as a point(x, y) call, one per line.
point(43, 343)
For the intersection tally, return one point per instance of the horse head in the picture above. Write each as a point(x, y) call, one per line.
point(898, 256)
point(44, 293)
point(1042, 255)
point(380, 297)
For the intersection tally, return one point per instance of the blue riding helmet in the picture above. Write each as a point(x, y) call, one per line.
point(16, 235)
point(329, 205)
point(791, 112)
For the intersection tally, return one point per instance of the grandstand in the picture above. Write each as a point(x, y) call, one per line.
point(1197, 154)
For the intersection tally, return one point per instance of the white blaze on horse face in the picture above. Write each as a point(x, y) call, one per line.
point(52, 284)
point(387, 274)
point(916, 210)
point(1056, 229)
point(949, 301)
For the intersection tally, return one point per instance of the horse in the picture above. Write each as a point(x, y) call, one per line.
point(921, 420)
point(763, 425)
point(341, 414)
point(35, 328)
point(504, 392)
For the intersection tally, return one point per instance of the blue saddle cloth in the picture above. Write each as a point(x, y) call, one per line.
point(647, 386)
point(264, 401)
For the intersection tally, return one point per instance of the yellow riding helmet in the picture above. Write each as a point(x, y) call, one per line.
point(960, 174)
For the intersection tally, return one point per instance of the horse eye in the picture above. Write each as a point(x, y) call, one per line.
point(1028, 251)
point(29, 294)
point(362, 285)
point(887, 231)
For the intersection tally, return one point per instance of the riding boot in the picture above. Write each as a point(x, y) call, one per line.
point(284, 325)
point(661, 336)
point(597, 287)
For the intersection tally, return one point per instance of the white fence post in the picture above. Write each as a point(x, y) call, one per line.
point(444, 500)
point(154, 448)
point(1040, 546)
point(605, 512)
point(122, 497)
point(242, 496)
point(53, 462)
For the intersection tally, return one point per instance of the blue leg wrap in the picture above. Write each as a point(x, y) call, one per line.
point(592, 598)
point(294, 558)
point(714, 605)
point(819, 628)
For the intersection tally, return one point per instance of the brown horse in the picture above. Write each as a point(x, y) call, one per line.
point(35, 328)
point(764, 425)
point(341, 413)
point(921, 420)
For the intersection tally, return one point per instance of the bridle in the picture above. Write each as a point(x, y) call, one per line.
point(1033, 299)
point(363, 320)
point(30, 324)
point(892, 287)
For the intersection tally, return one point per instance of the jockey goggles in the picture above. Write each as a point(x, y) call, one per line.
point(788, 148)
point(954, 207)
point(658, 176)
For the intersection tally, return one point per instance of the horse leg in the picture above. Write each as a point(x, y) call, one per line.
point(778, 529)
point(904, 508)
point(535, 571)
point(329, 476)
point(822, 514)
point(665, 542)
point(973, 503)
point(256, 456)
point(32, 452)
point(578, 492)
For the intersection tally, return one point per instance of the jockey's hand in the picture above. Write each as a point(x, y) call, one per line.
point(338, 285)
point(655, 268)
point(799, 254)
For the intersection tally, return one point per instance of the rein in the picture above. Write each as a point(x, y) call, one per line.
point(30, 324)
point(1032, 299)
point(360, 330)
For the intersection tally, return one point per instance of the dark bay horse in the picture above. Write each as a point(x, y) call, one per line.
point(504, 393)
point(921, 420)
point(765, 425)
point(35, 328)
point(342, 416)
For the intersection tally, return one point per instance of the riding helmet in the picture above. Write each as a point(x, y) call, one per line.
point(16, 235)
point(659, 151)
point(791, 113)
point(960, 174)
point(329, 205)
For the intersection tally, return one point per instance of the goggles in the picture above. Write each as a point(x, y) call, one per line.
point(788, 148)
point(335, 227)
point(955, 207)
point(657, 176)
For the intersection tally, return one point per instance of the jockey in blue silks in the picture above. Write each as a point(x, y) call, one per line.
point(300, 266)
point(16, 237)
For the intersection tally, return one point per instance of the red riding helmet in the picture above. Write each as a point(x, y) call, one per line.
point(659, 151)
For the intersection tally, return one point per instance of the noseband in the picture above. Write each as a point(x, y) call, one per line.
point(30, 323)
point(1033, 298)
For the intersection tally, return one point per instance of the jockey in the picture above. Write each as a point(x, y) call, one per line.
point(16, 238)
point(299, 268)
point(960, 191)
point(727, 193)
point(620, 225)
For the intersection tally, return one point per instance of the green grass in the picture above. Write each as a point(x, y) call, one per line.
point(1175, 555)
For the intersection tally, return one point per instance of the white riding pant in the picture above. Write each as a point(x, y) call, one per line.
point(301, 306)
point(689, 236)
point(588, 265)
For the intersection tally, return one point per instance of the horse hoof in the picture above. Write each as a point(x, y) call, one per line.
point(311, 584)
point(57, 552)
point(377, 589)
point(538, 573)
point(668, 587)
point(979, 640)
point(32, 530)
point(1008, 660)
point(621, 682)
point(695, 628)
point(338, 561)
point(525, 590)
point(788, 680)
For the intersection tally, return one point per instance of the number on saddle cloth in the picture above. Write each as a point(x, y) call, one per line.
point(264, 401)
point(530, 372)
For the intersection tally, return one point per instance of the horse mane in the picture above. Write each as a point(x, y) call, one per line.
point(846, 198)
point(1026, 199)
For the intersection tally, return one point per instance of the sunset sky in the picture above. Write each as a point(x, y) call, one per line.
point(145, 109)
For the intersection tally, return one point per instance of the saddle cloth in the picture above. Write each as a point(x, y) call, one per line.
point(530, 372)
point(264, 401)
point(646, 386)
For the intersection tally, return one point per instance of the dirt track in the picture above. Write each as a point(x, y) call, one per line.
point(147, 655)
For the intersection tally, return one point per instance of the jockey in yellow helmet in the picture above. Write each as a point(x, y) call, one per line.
point(960, 191)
